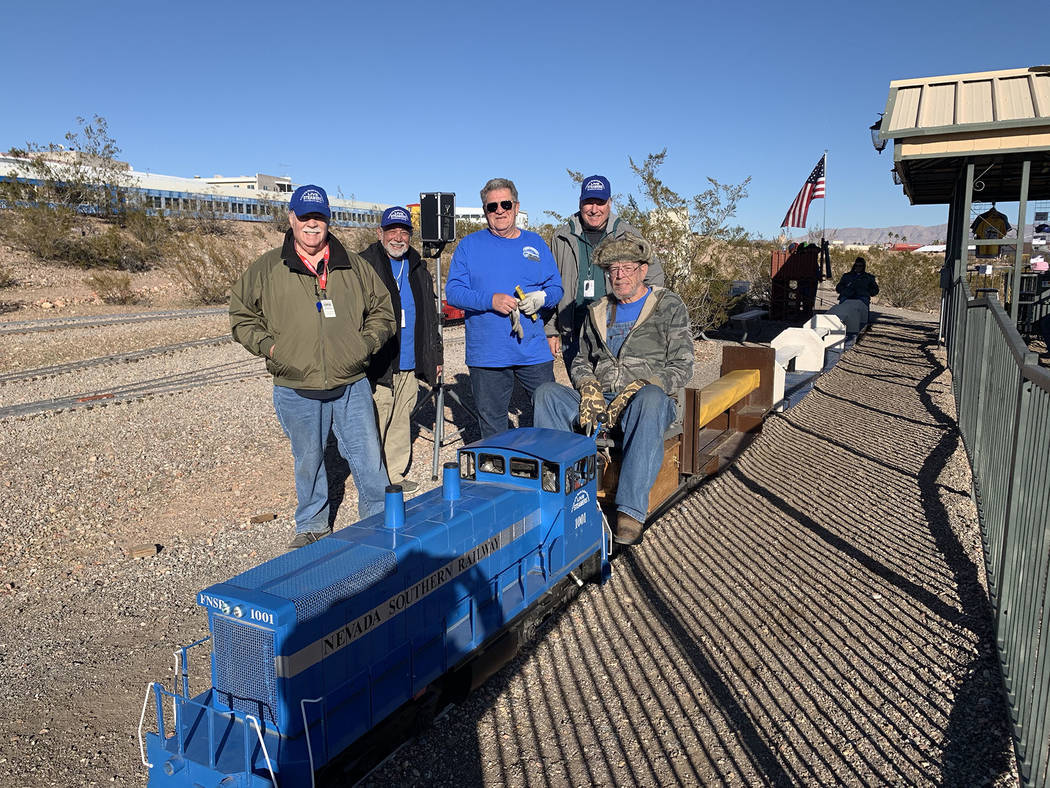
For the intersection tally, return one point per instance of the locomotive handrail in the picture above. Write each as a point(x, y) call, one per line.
point(306, 730)
point(184, 674)
point(265, 752)
point(142, 721)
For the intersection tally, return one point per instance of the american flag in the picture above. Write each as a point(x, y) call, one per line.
point(812, 189)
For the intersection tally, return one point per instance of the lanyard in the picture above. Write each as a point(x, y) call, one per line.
point(401, 273)
point(322, 278)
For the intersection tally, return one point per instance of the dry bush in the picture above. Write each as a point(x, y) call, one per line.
point(113, 287)
point(209, 266)
point(152, 230)
point(41, 230)
point(111, 248)
point(7, 276)
point(906, 280)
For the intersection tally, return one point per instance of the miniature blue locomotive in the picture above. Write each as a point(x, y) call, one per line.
point(313, 649)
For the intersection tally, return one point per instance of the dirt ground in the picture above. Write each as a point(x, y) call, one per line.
point(720, 654)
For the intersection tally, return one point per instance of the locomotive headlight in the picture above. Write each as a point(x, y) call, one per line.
point(238, 611)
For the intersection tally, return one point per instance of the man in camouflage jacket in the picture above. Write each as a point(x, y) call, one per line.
point(636, 353)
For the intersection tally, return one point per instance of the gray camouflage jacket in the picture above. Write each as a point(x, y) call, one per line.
point(658, 349)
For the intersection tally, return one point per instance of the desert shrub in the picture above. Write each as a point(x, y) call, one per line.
point(109, 249)
point(906, 280)
point(208, 266)
point(113, 287)
point(151, 230)
point(693, 238)
point(41, 230)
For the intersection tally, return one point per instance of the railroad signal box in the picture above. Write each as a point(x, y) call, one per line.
point(437, 216)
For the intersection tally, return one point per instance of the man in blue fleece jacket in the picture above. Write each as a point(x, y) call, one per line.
point(504, 332)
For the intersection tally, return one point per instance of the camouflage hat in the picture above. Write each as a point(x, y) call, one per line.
point(626, 249)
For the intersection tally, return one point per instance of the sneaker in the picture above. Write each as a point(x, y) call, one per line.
point(306, 537)
point(627, 530)
point(408, 486)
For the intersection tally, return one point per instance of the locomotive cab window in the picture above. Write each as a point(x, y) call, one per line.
point(492, 463)
point(524, 469)
point(578, 474)
point(551, 474)
point(466, 465)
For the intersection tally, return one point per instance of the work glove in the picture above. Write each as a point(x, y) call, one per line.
point(620, 400)
point(515, 325)
point(592, 403)
point(531, 303)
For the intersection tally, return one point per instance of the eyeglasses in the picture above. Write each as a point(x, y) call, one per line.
point(625, 268)
point(506, 205)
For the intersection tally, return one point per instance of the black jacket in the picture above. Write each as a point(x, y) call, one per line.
point(429, 353)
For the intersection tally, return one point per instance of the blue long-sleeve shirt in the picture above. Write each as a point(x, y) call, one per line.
point(485, 264)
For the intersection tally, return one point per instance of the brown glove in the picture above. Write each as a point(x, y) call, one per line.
point(592, 403)
point(620, 400)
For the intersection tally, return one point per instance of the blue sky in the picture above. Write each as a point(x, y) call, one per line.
point(380, 101)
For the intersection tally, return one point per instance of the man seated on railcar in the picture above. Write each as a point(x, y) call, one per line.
point(636, 352)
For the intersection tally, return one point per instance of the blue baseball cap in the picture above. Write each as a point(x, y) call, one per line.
point(396, 215)
point(310, 199)
point(595, 187)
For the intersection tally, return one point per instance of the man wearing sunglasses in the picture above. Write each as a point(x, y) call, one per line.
point(317, 313)
point(635, 354)
point(487, 268)
point(582, 281)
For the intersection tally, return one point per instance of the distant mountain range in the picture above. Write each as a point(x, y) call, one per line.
point(912, 233)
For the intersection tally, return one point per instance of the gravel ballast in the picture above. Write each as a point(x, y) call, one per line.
point(826, 639)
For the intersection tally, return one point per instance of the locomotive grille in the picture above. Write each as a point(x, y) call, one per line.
point(244, 666)
point(316, 591)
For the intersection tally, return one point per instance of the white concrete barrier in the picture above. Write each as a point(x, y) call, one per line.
point(851, 312)
point(831, 329)
point(810, 354)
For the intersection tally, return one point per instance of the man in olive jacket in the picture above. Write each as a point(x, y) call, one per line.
point(415, 349)
point(583, 282)
point(317, 314)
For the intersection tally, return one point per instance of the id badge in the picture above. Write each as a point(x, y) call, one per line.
point(588, 288)
point(402, 318)
point(327, 307)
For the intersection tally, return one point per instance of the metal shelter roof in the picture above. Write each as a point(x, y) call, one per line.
point(996, 119)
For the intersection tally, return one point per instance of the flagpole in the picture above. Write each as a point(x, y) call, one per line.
point(824, 226)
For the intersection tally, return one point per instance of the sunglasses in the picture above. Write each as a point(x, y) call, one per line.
point(506, 205)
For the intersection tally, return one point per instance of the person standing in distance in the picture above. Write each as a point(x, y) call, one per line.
point(415, 349)
point(502, 346)
point(317, 314)
point(583, 282)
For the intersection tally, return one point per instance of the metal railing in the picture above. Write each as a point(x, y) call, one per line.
point(1002, 398)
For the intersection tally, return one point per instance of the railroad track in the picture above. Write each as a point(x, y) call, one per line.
point(95, 321)
point(117, 358)
point(228, 372)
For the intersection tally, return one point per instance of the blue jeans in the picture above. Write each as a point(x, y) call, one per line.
point(643, 423)
point(306, 422)
point(492, 387)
